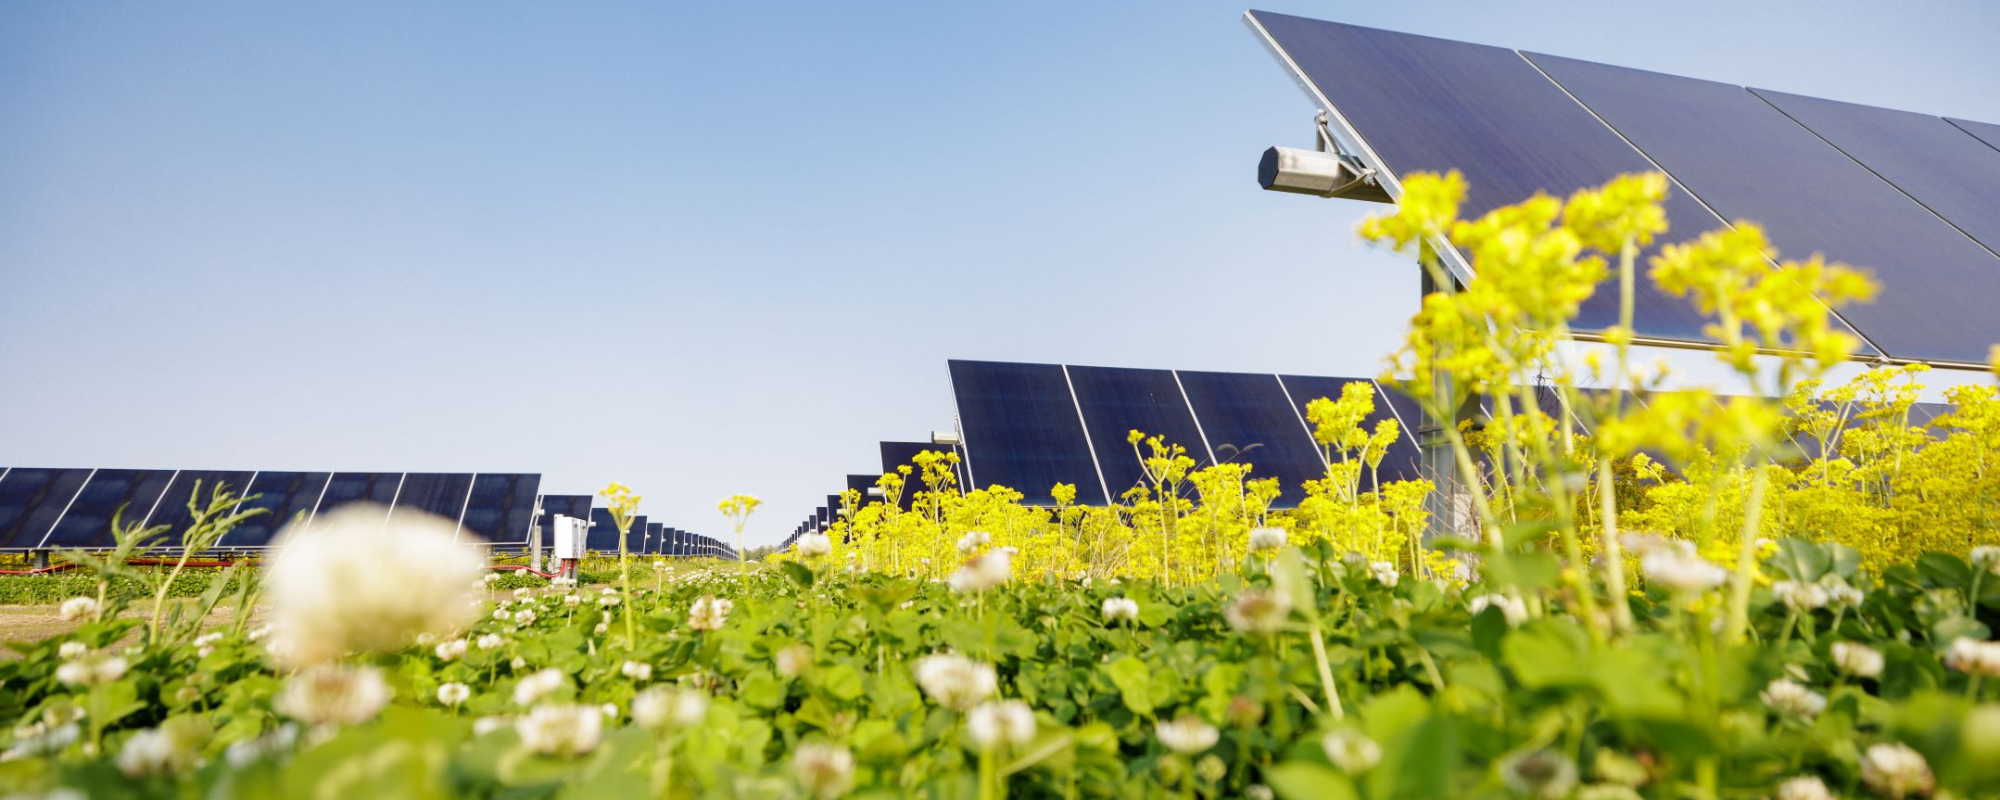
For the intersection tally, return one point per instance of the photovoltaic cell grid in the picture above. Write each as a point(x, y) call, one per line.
point(1223, 417)
point(1910, 197)
point(54, 508)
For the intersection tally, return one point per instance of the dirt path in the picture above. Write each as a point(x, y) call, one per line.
point(34, 623)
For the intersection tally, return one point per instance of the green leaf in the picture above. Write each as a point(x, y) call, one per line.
point(1548, 653)
point(1135, 687)
point(1801, 560)
point(1288, 577)
point(1304, 780)
point(799, 573)
point(1944, 570)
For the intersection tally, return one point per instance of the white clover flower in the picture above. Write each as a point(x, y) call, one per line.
point(451, 649)
point(973, 540)
point(353, 582)
point(333, 694)
point(1513, 608)
point(1800, 597)
point(524, 617)
point(637, 670)
point(813, 545)
point(1258, 791)
point(1187, 734)
point(793, 660)
point(659, 563)
point(1792, 699)
point(1352, 751)
point(1895, 771)
point(825, 771)
point(1842, 595)
point(561, 730)
point(1258, 611)
point(501, 614)
point(75, 673)
point(1973, 657)
point(490, 641)
point(709, 613)
point(1986, 557)
point(956, 682)
point(1858, 660)
point(491, 577)
point(609, 600)
point(258, 633)
point(1542, 774)
point(1120, 609)
point(518, 663)
point(1262, 539)
point(1384, 572)
point(1682, 573)
point(486, 725)
point(1803, 787)
point(609, 709)
point(77, 608)
point(110, 669)
point(156, 751)
point(601, 629)
point(452, 694)
point(662, 706)
point(984, 572)
point(1007, 723)
point(535, 686)
point(523, 593)
point(572, 601)
point(71, 651)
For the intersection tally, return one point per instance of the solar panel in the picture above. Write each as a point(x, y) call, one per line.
point(1425, 104)
point(1248, 419)
point(1117, 401)
point(1022, 430)
point(358, 487)
point(1953, 175)
point(1404, 459)
point(87, 522)
point(1748, 161)
point(172, 510)
point(603, 534)
point(896, 454)
point(285, 495)
point(653, 532)
point(859, 485)
point(1985, 131)
point(500, 506)
point(31, 500)
point(439, 493)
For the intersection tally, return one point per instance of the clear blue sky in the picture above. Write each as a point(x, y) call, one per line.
point(717, 248)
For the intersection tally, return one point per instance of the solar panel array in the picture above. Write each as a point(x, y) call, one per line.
point(43, 508)
point(1914, 198)
point(1030, 426)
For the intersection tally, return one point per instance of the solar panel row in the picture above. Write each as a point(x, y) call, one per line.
point(1030, 426)
point(54, 508)
point(1912, 197)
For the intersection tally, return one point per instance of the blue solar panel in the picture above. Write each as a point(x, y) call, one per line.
point(30, 502)
point(1117, 401)
point(439, 493)
point(1955, 175)
point(1404, 459)
point(285, 495)
point(501, 505)
point(87, 523)
point(1748, 161)
point(568, 505)
point(654, 530)
point(859, 485)
point(603, 535)
point(1425, 104)
point(172, 511)
point(1985, 131)
point(358, 487)
point(1248, 420)
point(1022, 430)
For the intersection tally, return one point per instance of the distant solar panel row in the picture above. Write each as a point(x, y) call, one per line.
point(1912, 197)
point(1030, 426)
point(51, 508)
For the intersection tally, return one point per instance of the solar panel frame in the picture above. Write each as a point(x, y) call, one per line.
point(1022, 430)
point(1745, 159)
point(1117, 400)
point(86, 522)
point(32, 499)
point(1250, 412)
point(287, 496)
point(1983, 131)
